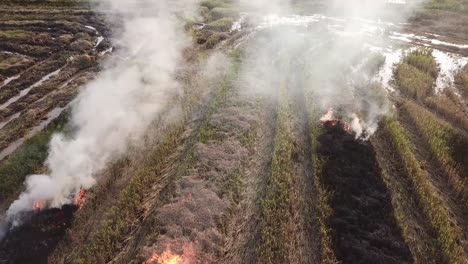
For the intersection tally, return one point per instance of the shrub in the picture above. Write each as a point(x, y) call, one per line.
point(210, 4)
point(413, 82)
point(423, 60)
point(223, 24)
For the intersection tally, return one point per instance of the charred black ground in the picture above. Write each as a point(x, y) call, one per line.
point(364, 227)
point(33, 241)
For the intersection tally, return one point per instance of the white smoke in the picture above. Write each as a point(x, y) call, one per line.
point(113, 112)
point(325, 55)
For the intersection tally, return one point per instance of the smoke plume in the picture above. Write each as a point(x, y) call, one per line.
point(328, 57)
point(113, 112)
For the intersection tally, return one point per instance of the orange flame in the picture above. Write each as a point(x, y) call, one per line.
point(37, 206)
point(168, 257)
point(80, 199)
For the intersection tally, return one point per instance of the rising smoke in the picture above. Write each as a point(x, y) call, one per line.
point(328, 60)
point(113, 112)
point(326, 57)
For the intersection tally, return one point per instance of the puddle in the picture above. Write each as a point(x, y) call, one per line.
point(385, 74)
point(449, 65)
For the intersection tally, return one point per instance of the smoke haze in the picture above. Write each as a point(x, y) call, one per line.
point(114, 111)
point(327, 57)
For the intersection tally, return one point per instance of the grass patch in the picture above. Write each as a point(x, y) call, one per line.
point(124, 215)
point(448, 146)
point(223, 12)
point(461, 81)
point(452, 5)
point(223, 24)
point(413, 82)
point(448, 235)
point(451, 110)
point(276, 206)
point(28, 158)
point(210, 4)
point(15, 34)
point(324, 195)
point(423, 60)
point(416, 74)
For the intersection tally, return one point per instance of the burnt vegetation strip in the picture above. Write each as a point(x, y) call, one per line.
point(449, 236)
point(363, 226)
point(35, 239)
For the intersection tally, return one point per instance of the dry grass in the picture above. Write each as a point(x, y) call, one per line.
point(28, 159)
point(448, 235)
point(276, 206)
point(461, 81)
point(453, 111)
point(124, 215)
point(416, 74)
point(416, 229)
point(448, 146)
point(323, 206)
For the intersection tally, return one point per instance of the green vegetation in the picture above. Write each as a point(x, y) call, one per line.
point(416, 74)
point(210, 4)
point(323, 206)
point(423, 60)
point(461, 81)
point(214, 39)
point(276, 213)
point(448, 235)
point(452, 110)
point(221, 12)
point(124, 214)
point(15, 34)
point(453, 5)
point(446, 144)
point(223, 24)
point(416, 231)
point(27, 159)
